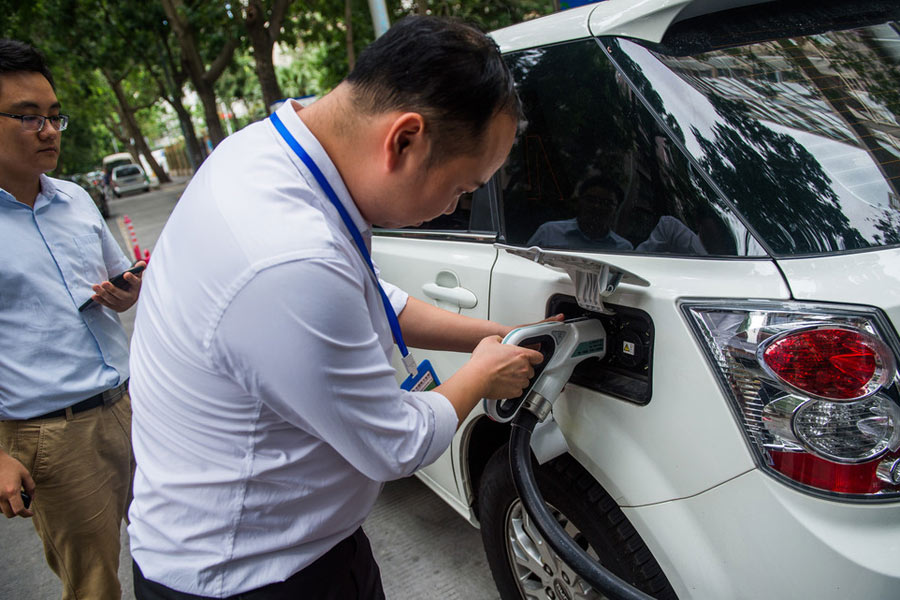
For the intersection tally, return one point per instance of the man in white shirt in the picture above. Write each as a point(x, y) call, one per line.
point(266, 410)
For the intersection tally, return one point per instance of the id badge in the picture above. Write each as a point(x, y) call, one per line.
point(424, 380)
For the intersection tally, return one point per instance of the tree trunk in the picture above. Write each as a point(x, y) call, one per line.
point(265, 69)
point(348, 21)
point(202, 78)
point(194, 149)
point(262, 40)
point(134, 130)
point(173, 92)
point(211, 114)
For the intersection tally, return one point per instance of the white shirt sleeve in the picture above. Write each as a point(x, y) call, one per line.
point(299, 336)
point(396, 296)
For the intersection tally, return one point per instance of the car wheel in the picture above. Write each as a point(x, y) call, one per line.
point(104, 208)
point(117, 194)
point(521, 562)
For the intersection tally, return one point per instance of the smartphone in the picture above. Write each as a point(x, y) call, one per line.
point(118, 281)
point(26, 499)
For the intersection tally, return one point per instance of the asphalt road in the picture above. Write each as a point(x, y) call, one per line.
point(424, 548)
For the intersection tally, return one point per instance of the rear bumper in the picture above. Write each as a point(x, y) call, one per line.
point(131, 187)
point(752, 537)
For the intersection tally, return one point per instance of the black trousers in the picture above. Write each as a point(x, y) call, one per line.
point(346, 572)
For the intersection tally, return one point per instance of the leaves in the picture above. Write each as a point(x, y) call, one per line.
point(142, 49)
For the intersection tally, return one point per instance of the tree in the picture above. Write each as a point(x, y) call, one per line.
point(65, 30)
point(171, 88)
point(185, 24)
point(263, 22)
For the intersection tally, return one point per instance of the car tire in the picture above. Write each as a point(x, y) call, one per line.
point(522, 564)
point(104, 208)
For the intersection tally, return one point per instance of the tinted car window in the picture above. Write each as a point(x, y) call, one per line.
point(472, 215)
point(801, 131)
point(594, 170)
point(126, 171)
point(458, 220)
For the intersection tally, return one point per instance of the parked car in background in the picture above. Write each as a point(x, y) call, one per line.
point(128, 178)
point(92, 183)
point(741, 437)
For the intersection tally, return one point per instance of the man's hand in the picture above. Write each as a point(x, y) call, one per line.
point(13, 477)
point(495, 371)
point(560, 317)
point(116, 298)
point(506, 369)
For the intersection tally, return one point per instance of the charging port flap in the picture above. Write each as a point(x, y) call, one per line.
point(594, 279)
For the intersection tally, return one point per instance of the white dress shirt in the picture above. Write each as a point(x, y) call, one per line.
point(266, 410)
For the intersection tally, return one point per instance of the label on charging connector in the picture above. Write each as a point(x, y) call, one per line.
point(424, 380)
point(628, 348)
point(590, 347)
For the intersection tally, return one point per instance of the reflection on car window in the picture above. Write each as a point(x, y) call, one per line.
point(126, 171)
point(801, 133)
point(597, 200)
point(458, 220)
point(594, 170)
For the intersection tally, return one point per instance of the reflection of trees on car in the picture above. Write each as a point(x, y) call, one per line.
point(590, 120)
point(537, 187)
point(794, 132)
point(888, 224)
point(777, 183)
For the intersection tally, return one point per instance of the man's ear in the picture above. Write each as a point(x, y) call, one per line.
point(406, 143)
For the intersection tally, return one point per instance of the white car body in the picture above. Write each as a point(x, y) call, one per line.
point(129, 178)
point(680, 467)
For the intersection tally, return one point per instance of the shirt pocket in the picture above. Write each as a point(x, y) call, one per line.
point(80, 259)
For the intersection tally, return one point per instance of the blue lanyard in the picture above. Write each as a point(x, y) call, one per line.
point(408, 361)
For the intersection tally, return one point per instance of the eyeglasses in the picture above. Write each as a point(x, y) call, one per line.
point(36, 122)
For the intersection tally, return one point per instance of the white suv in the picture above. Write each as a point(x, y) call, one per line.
point(741, 437)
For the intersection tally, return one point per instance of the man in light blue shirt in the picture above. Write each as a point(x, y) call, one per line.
point(598, 198)
point(64, 408)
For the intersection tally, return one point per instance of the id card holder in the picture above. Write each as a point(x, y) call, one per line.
point(424, 380)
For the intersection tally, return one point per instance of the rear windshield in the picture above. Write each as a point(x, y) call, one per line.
point(127, 171)
point(797, 127)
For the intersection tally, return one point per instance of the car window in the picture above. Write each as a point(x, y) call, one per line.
point(796, 122)
point(127, 171)
point(472, 215)
point(594, 170)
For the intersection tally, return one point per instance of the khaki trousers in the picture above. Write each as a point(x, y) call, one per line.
point(82, 466)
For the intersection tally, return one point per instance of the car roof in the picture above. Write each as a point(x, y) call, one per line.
point(647, 20)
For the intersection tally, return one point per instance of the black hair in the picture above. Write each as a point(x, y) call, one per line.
point(446, 70)
point(16, 56)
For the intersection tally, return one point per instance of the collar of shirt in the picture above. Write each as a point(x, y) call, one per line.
point(48, 192)
point(288, 115)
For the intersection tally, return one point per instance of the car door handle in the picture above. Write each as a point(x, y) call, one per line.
point(446, 290)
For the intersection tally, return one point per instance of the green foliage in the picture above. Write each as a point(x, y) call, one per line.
point(239, 82)
point(127, 40)
point(487, 15)
point(319, 58)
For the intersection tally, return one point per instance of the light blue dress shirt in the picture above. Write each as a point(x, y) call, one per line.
point(566, 234)
point(51, 355)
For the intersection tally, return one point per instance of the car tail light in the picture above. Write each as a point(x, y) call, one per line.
point(814, 389)
point(828, 362)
